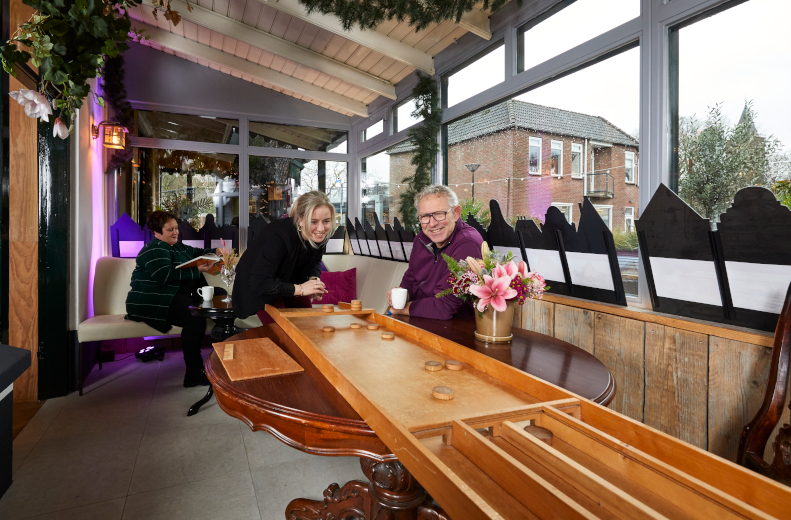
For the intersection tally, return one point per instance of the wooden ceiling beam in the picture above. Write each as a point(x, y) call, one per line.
point(193, 48)
point(477, 22)
point(268, 42)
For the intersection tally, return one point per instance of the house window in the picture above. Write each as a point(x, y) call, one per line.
point(534, 160)
point(576, 160)
point(373, 130)
point(629, 167)
point(606, 214)
point(628, 217)
point(566, 209)
point(556, 159)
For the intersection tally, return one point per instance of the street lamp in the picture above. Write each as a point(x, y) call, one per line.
point(472, 167)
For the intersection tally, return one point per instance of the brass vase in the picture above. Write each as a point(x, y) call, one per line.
point(494, 326)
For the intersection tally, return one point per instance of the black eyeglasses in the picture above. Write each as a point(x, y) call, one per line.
point(439, 216)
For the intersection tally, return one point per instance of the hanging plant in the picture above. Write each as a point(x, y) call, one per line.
point(420, 13)
point(69, 40)
point(424, 136)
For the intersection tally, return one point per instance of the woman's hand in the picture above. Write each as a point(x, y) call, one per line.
point(218, 251)
point(204, 267)
point(310, 288)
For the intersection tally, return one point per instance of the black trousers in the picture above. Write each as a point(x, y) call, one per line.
point(193, 328)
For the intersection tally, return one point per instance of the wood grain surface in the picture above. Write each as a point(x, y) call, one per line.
point(253, 358)
point(23, 242)
point(575, 326)
point(619, 345)
point(676, 381)
point(538, 316)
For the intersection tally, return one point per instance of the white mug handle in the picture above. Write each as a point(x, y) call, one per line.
point(200, 291)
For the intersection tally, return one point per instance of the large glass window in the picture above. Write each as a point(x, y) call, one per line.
point(275, 182)
point(556, 159)
point(484, 72)
point(373, 130)
point(402, 116)
point(184, 127)
point(382, 176)
point(569, 24)
point(534, 161)
point(729, 123)
point(272, 135)
point(576, 160)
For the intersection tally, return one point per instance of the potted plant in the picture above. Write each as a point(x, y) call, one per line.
point(495, 283)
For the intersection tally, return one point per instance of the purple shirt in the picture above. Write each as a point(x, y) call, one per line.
point(428, 273)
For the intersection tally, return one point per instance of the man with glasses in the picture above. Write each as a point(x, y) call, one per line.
point(442, 231)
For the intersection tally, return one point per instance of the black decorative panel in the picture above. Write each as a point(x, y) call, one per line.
point(127, 238)
point(471, 220)
point(381, 239)
point(336, 242)
point(502, 237)
point(542, 249)
point(359, 231)
point(370, 237)
point(407, 237)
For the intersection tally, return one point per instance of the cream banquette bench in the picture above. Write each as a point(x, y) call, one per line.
point(374, 277)
point(110, 287)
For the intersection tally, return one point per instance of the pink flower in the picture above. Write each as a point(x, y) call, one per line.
point(521, 268)
point(494, 291)
point(508, 270)
point(60, 129)
point(34, 103)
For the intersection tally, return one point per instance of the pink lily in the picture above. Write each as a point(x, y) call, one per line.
point(521, 268)
point(508, 270)
point(494, 291)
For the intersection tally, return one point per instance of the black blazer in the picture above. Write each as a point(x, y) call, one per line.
point(266, 269)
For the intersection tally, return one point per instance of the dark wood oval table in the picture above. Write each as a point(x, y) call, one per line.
point(306, 412)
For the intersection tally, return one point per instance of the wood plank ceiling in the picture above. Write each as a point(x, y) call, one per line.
point(265, 17)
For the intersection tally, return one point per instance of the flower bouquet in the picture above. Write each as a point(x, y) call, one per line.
point(229, 259)
point(494, 283)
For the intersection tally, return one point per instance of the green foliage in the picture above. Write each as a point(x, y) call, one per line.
point(716, 159)
point(625, 240)
point(477, 208)
point(367, 14)
point(782, 190)
point(425, 137)
point(453, 265)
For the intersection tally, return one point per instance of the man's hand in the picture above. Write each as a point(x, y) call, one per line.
point(404, 311)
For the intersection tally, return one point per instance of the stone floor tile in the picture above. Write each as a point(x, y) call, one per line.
point(110, 510)
point(263, 449)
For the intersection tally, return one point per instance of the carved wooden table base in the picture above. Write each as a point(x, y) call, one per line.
point(391, 494)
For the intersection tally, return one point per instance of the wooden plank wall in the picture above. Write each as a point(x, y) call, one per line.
point(698, 387)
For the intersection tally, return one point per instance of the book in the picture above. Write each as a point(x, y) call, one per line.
point(214, 260)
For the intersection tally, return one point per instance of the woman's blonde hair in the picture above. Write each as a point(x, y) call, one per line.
point(304, 206)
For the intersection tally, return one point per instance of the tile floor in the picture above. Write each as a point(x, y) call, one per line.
point(127, 450)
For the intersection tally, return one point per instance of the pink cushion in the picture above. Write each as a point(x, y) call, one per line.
point(341, 286)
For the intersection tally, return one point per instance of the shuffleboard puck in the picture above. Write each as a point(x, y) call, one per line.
point(373, 326)
point(356, 325)
point(453, 364)
point(388, 336)
point(329, 308)
point(433, 366)
point(443, 393)
point(329, 329)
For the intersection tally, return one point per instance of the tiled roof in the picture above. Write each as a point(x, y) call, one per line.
point(527, 116)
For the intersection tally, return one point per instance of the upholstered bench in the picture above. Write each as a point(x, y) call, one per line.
point(374, 277)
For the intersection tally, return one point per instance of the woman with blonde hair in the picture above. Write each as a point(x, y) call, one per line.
point(279, 266)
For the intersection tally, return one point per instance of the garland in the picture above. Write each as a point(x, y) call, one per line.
point(115, 91)
point(420, 13)
point(424, 137)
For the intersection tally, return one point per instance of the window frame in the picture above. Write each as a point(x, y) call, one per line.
point(552, 143)
point(492, 46)
point(608, 207)
point(540, 153)
point(394, 129)
point(364, 138)
point(634, 168)
point(631, 218)
point(581, 151)
point(565, 205)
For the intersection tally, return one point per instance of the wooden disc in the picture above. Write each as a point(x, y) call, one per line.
point(443, 393)
point(388, 335)
point(329, 329)
point(433, 366)
point(373, 326)
point(329, 308)
point(356, 325)
point(453, 364)
point(540, 433)
point(357, 303)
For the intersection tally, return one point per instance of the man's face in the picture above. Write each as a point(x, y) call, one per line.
point(438, 231)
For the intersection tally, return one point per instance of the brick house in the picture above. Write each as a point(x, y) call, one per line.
point(532, 156)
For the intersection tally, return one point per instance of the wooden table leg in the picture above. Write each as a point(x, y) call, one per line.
point(391, 494)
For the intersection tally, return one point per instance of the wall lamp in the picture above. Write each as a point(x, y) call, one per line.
point(114, 134)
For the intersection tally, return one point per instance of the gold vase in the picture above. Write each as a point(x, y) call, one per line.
point(495, 326)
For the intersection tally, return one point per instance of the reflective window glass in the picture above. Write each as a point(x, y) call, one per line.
point(483, 73)
point(403, 116)
point(556, 159)
point(373, 130)
point(272, 135)
point(185, 127)
point(576, 160)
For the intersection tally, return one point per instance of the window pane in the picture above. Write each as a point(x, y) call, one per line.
point(275, 182)
point(271, 135)
point(721, 107)
point(566, 209)
point(557, 126)
point(629, 167)
point(191, 185)
point(486, 72)
point(404, 119)
point(605, 214)
point(576, 23)
point(373, 130)
point(184, 127)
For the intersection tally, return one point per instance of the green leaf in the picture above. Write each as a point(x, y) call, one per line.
point(55, 76)
point(99, 27)
point(100, 100)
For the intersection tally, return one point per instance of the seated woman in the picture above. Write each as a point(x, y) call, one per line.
point(279, 266)
point(161, 294)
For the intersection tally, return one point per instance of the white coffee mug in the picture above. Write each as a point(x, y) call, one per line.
point(399, 296)
point(207, 292)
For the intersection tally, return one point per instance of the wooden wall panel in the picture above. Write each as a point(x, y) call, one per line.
point(23, 242)
point(539, 316)
point(676, 382)
point(619, 345)
point(738, 375)
point(574, 326)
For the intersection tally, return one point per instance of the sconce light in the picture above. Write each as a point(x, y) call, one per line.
point(114, 134)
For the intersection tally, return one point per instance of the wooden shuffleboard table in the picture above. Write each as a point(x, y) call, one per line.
point(484, 441)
